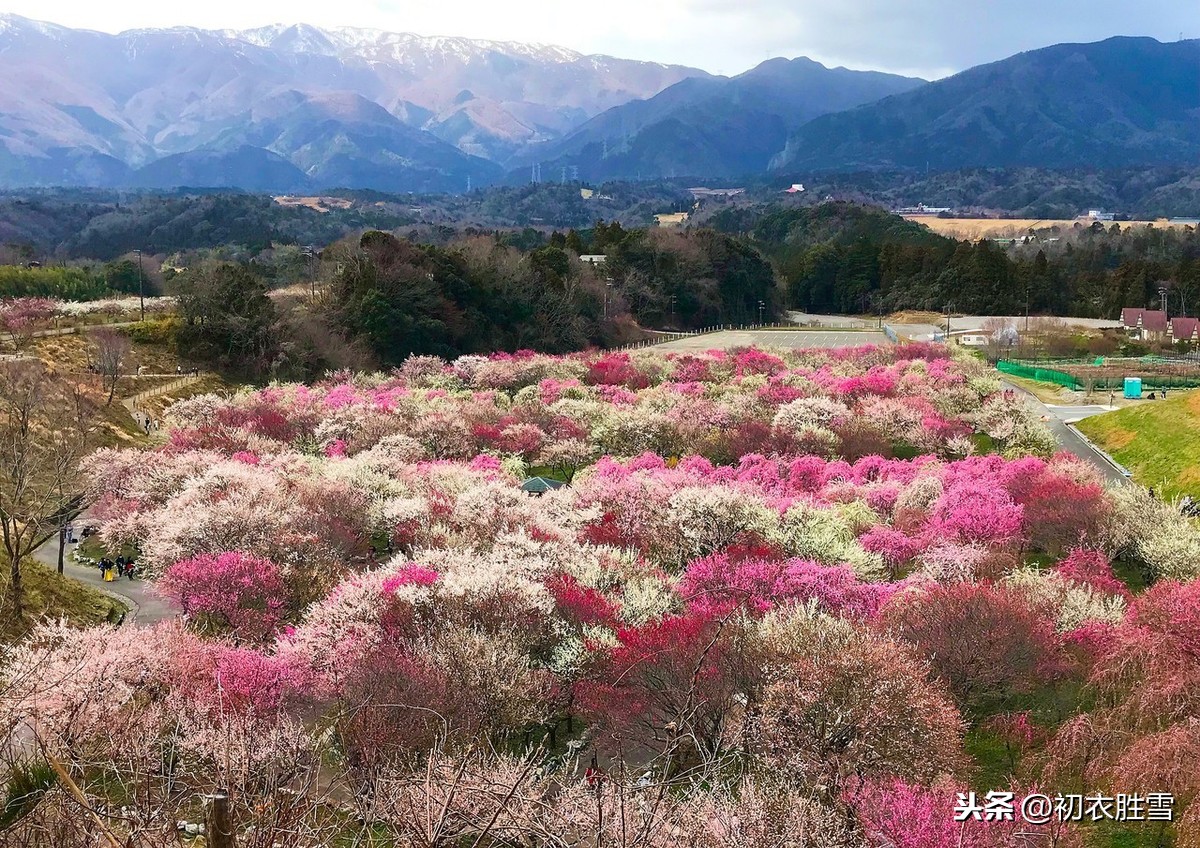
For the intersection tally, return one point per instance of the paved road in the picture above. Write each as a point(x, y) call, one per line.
point(958, 323)
point(1073, 414)
point(918, 332)
point(145, 606)
point(777, 338)
point(832, 321)
point(1058, 418)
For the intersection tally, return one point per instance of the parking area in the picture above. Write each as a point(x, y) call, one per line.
point(777, 338)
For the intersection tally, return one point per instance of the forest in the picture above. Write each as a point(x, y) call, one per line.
point(379, 299)
point(849, 258)
point(373, 296)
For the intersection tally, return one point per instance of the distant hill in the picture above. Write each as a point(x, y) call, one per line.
point(714, 126)
point(1113, 103)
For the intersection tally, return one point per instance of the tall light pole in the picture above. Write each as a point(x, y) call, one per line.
point(310, 253)
point(607, 288)
point(672, 309)
point(761, 307)
point(141, 284)
point(1027, 307)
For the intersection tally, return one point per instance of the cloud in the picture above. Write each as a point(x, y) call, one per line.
point(925, 37)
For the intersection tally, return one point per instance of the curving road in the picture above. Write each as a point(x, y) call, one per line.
point(1059, 419)
point(146, 607)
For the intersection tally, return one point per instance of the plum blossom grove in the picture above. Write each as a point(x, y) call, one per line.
point(787, 598)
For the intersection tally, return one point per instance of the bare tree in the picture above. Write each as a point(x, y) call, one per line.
point(110, 348)
point(43, 434)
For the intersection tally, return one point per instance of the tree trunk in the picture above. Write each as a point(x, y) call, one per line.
point(218, 825)
point(18, 590)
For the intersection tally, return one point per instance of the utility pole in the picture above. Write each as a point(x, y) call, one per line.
point(141, 284)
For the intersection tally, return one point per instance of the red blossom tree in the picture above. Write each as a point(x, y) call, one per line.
point(989, 644)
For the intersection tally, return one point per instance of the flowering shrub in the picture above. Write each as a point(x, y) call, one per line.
point(741, 579)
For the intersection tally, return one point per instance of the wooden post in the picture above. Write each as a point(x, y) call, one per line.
point(218, 821)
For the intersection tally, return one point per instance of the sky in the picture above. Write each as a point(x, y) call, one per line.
point(927, 38)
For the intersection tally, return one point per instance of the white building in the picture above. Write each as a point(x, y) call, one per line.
point(922, 209)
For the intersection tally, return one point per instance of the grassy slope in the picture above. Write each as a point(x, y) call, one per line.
point(49, 596)
point(1159, 441)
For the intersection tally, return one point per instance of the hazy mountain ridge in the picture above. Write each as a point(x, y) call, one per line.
point(716, 126)
point(1113, 103)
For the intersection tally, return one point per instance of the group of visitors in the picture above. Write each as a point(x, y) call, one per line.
point(146, 421)
point(122, 566)
point(180, 370)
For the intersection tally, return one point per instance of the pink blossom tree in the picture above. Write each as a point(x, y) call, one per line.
point(230, 592)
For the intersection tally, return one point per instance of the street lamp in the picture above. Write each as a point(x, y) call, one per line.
point(672, 310)
point(761, 307)
point(607, 287)
point(141, 284)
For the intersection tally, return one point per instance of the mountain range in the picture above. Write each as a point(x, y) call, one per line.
point(297, 108)
point(1113, 103)
point(716, 126)
point(341, 107)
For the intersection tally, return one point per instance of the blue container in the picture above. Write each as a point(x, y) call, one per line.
point(1133, 388)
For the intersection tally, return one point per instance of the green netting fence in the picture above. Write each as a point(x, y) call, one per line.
point(1100, 382)
point(1043, 375)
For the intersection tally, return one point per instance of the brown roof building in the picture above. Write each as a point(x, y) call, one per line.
point(1144, 323)
point(1185, 330)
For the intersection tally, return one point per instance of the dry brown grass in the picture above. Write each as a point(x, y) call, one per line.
point(916, 316)
point(977, 228)
point(320, 204)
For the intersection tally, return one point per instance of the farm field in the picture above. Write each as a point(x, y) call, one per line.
point(977, 228)
point(1109, 376)
point(1159, 441)
point(754, 556)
